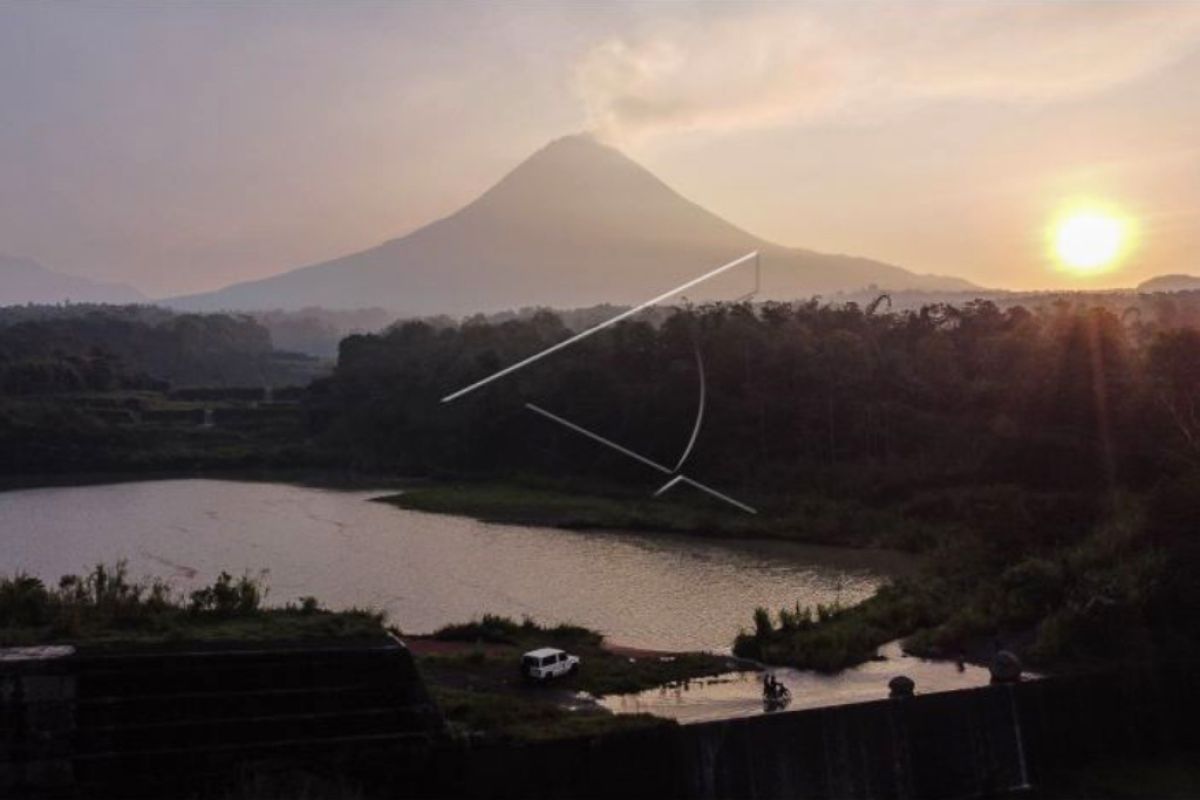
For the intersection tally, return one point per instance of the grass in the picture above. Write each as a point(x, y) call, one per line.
point(481, 692)
point(602, 671)
point(831, 638)
point(510, 717)
point(106, 607)
point(805, 518)
point(1061, 586)
point(540, 506)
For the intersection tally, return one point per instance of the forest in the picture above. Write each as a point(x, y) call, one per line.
point(1052, 452)
point(88, 388)
point(801, 395)
point(46, 349)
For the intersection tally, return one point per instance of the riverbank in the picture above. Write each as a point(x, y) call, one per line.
point(107, 608)
point(472, 671)
point(348, 480)
point(470, 668)
point(809, 519)
point(429, 570)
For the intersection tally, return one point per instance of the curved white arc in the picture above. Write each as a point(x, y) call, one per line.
point(687, 451)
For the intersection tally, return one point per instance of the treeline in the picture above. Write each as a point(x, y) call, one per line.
point(798, 395)
point(317, 331)
point(1171, 307)
point(47, 349)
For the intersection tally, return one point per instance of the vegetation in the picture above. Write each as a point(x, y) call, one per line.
point(146, 433)
point(46, 349)
point(1120, 591)
point(558, 503)
point(506, 716)
point(480, 691)
point(1036, 454)
point(503, 630)
point(317, 331)
point(830, 638)
point(86, 388)
point(1045, 458)
point(604, 671)
point(106, 607)
point(833, 399)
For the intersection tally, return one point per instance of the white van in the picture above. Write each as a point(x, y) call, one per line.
point(547, 662)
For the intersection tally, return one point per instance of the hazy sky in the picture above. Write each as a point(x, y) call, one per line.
point(181, 147)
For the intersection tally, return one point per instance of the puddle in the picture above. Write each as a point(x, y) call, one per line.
point(739, 694)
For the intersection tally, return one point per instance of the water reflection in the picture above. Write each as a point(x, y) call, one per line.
point(426, 570)
point(740, 694)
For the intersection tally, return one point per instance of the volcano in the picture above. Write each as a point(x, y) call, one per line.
point(576, 224)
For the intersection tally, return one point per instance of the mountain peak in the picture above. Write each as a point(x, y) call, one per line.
point(576, 145)
point(578, 188)
point(575, 224)
point(582, 139)
point(578, 157)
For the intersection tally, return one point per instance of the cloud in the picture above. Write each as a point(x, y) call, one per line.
point(758, 67)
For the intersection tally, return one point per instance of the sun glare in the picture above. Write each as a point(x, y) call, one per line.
point(1088, 242)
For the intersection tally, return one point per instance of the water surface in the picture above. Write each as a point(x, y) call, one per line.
point(739, 694)
point(426, 570)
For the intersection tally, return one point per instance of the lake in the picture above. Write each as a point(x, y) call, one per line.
point(426, 570)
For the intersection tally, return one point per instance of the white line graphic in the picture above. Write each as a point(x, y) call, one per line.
point(687, 451)
point(678, 477)
point(685, 479)
point(601, 326)
point(597, 437)
point(648, 462)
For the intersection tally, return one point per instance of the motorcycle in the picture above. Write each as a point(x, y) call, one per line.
point(776, 696)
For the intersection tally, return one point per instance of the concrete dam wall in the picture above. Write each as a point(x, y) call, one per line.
point(144, 722)
point(957, 744)
point(116, 725)
point(969, 743)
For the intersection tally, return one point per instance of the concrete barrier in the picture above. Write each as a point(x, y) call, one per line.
point(112, 723)
point(962, 744)
point(134, 721)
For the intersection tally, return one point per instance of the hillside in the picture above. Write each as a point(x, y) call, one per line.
point(1170, 283)
point(576, 224)
point(26, 281)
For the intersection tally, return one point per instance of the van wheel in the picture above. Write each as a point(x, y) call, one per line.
point(574, 669)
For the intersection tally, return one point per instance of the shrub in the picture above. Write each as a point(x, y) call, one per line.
point(105, 604)
point(229, 598)
point(490, 628)
point(23, 601)
point(499, 629)
point(762, 623)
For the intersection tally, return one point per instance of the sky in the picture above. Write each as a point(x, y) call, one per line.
point(180, 147)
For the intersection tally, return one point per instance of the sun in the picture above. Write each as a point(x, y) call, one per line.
point(1089, 242)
